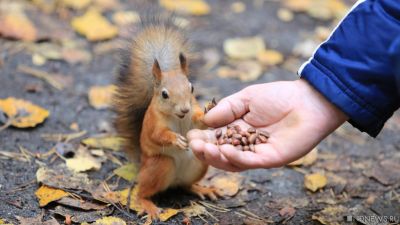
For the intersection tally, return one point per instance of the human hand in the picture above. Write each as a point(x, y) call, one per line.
point(296, 115)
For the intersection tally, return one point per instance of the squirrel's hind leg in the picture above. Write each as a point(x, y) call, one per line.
point(202, 192)
point(156, 174)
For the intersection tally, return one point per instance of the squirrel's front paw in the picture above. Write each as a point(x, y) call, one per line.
point(181, 142)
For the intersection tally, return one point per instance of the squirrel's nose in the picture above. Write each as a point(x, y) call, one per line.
point(185, 110)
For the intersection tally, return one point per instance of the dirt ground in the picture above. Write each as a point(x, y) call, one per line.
point(355, 164)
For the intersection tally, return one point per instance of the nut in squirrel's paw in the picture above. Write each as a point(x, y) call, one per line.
point(181, 142)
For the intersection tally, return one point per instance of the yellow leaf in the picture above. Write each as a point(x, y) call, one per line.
point(47, 194)
point(113, 143)
point(168, 213)
point(243, 48)
point(122, 197)
point(270, 57)
point(315, 181)
point(83, 161)
point(109, 220)
point(285, 15)
point(306, 160)
point(22, 113)
point(94, 26)
point(194, 7)
point(15, 24)
point(100, 97)
point(128, 171)
point(76, 4)
point(298, 6)
point(228, 184)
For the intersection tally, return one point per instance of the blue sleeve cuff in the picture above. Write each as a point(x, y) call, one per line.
point(337, 93)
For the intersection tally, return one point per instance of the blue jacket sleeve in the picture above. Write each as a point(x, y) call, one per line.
point(358, 67)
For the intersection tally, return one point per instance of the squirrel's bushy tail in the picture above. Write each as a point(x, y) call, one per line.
point(159, 38)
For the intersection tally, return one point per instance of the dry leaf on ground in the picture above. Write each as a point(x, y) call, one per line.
point(109, 220)
point(123, 18)
point(128, 171)
point(270, 57)
point(76, 4)
point(21, 113)
point(47, 194)
point(306, 160)
point(83, 161)
point(94, 26)
point(193, 7)
point(36, 221)
point(246, 71)
point(297, 6)
point(15, 24)
point(386, 172)
point(332, 215)
point(315, 181)
point(243, 48)
point(168, 213)
point(285, 15)
point(109, 142)
point(78, 216)
point(227, 184)
point(81, 204)
point(100, 97)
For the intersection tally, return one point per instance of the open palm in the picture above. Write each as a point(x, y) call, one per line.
point(296, 116)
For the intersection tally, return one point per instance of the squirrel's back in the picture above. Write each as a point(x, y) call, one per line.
point(158, 39)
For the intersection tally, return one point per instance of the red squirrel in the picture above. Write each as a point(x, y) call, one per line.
point(155, 108)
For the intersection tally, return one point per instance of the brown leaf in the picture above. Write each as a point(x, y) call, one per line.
point(78, 216)
point(81, 204)
point(228, 184)
point(287, 212)
point(332, 215)
point(16, 25)
point(386, 172)
point(36, 221)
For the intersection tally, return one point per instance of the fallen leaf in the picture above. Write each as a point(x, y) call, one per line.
point(270, 57)
point(36, 221)
point(306, 160)
point(194, 210)
point(15, 24)
point(285, 15)
point(105, 5)
point(297, 6)
point(287, 212)
point(83, 161)
point(123, 18)
point(109, 220)
point(75, 55)
point(243, 48)
point(315, 181)
point(245, 71)
point(94, 26)
point(238, 7)
point(110, 142)
point(81, 204)
point(78, 216)
point(76, 4)
point(38, 60)
point(58, 81)
point(332, 215)
point(193, 7)
point(386, 172)
point(21, 113)
point(47, 194)
point(168, 213)
point(100, 97)
point(228, 184)
point(128, 171)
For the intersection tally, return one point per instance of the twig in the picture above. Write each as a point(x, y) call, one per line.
point(6, 125)
point(41, 75)
point(21, 187)
point(63, 137)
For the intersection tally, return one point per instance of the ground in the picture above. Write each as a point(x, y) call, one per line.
point(361, 170)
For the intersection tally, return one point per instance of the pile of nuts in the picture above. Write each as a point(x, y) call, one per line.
point(243, 140)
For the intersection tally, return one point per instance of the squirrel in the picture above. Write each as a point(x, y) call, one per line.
point(155, 108)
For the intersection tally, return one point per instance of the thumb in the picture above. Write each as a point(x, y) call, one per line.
point(228, 110)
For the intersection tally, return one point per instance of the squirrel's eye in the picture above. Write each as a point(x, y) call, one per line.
point(191, 88)
point(164, 94)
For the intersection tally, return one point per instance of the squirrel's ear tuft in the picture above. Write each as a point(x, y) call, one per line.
point(156, 70)
point(184, 64)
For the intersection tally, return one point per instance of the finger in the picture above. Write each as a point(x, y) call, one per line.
point(197, 147)
point(205, 135)
point(227, 110)
point(214, 157)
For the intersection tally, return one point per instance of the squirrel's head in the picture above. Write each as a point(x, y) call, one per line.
point(172, 89)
